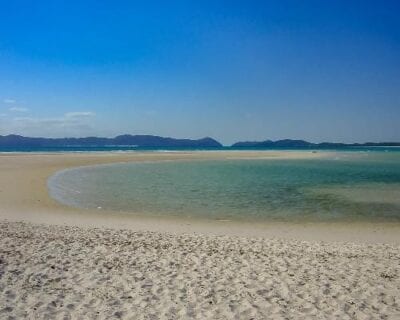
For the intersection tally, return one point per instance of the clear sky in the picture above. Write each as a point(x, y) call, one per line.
point(234, 70)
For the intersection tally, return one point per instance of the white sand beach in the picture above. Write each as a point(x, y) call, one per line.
point(58, 262)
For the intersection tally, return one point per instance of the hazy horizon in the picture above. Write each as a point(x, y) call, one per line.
point(232, 71)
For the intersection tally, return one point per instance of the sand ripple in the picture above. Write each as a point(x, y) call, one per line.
point(55, 272)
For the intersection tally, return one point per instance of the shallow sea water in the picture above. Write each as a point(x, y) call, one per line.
point(346, 186)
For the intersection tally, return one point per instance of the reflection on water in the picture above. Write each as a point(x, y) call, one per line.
point(347, 186)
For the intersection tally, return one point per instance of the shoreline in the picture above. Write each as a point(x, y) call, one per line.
point(24, 197)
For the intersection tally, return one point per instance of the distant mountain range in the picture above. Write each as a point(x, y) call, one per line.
point(156, 141)
point(123, 140)
point(288, 143)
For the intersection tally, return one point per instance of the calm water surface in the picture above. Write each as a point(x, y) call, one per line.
point(345, 186)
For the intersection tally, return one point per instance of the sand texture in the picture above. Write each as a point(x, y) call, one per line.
point(66, 272)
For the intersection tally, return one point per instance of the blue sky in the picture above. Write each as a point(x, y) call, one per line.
point(233, 70)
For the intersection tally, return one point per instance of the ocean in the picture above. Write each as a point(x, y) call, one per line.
point(357, 185)
point(118, 148)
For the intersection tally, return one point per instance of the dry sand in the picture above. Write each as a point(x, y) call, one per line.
point(55, 272)
point(64, 263)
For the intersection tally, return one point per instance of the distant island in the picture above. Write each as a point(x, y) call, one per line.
point(288, 143)
point(122, 140)
point(127, 140)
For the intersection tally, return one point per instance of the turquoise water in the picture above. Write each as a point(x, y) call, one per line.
point(345, 186)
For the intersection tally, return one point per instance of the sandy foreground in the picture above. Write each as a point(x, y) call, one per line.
point(64, 272)
point(62, 263)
